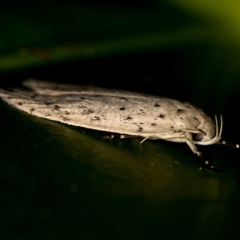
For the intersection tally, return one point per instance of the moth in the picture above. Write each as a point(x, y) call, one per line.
point(126, 113)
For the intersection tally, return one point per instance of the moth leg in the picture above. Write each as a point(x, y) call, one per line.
point(110, 136)
point(193, 147)
point(121, 136)
point(205, 162)
point(144, 140)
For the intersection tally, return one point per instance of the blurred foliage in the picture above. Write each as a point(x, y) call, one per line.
point(222, 15)
point(49, 31)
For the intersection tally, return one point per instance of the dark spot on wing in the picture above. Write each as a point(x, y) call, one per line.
point(33, 96)
point(157, 105)
point(180, 111)
point(153, 124)
point(48, 103)
point(195, 118)
point(32, 110)
point(122, 98)
point(82, 98)
point(172, 127)
point(87, 111)
point(162, 116)
point(95, 118)
point(122, 108)
point(82, 107)
point(19, 103)
point(141, 112)
point(128, 118)
point(56, 107)
point(140, 129)
point(67, 113)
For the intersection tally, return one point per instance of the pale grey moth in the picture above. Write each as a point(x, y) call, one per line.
point(121, 112)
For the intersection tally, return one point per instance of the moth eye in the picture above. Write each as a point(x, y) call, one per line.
point(197, 137)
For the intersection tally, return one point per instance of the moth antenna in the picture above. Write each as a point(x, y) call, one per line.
point(223, 142)
point(219, 132)
point(216, 134)
point(230, 144)
point(221, 126)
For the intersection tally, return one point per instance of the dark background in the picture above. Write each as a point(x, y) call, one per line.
point(63, 182)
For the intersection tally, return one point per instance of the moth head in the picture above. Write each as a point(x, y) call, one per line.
point(209, 133)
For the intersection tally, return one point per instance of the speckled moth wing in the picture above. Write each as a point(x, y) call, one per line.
point(107, 110)
point(121, 112)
